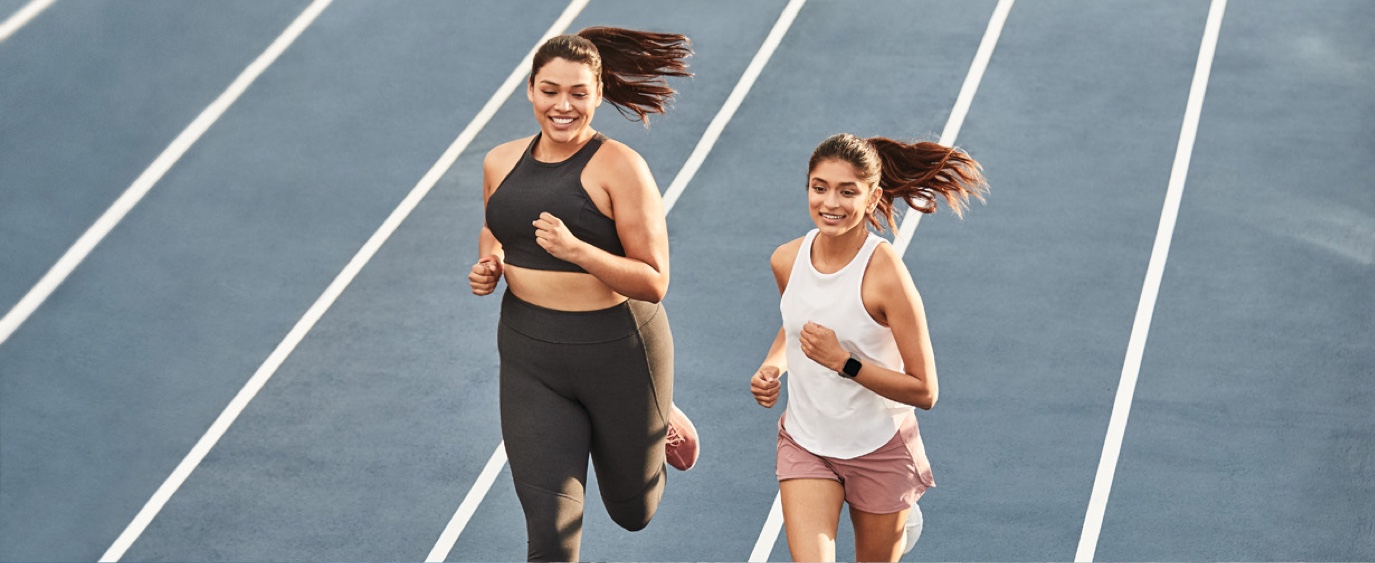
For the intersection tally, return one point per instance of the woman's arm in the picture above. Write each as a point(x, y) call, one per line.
point(764, 383)
point(888, 290)
point(491, 257)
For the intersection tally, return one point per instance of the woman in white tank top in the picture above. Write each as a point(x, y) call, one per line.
point(854, 344)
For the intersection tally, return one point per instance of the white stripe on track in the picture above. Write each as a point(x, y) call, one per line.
point(737, 96)
point(22, 17)
point(468, 507)
point(1150, 290)
point(145, 181)
point(675, 189)
point(952, 125)
point(769, 535)
point(326, 300)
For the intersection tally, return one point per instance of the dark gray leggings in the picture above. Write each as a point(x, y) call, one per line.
point(580, 383)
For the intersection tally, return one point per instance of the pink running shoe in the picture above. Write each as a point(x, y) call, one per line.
point(682, 447)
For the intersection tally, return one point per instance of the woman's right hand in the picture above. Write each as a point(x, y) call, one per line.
point(485, 274)
point(765, 386)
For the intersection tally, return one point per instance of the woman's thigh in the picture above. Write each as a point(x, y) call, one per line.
point(628, 401)
point(878, 537)
point(811, 512)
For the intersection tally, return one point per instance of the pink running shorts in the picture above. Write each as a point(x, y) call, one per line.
point(884, 481)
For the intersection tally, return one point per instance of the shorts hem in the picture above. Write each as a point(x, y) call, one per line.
point(822, 476)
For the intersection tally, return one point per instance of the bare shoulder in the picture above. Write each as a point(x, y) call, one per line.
point(506, 154)
point(614, 151)
point(618, 158)
point(782, 262)
point(784, 256)
point(620, 173)
point(500, 161)
point(887, 272)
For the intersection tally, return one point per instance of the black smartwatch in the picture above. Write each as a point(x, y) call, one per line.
point(851, 368)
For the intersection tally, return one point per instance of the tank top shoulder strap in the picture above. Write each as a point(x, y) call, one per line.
point(860, 265)
point(580, 159)
point(803, 261)
point(867, 251)
point(525, 157)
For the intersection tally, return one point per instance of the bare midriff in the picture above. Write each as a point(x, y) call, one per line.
point(561, 291)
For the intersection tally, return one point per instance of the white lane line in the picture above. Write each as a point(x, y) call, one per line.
point(466, 510)
point(22, 17)
point(956, 120)
point(145, 181)
point(699, 154)
point(769, 535)
point(774, 525)
point(1136, 345)
point(742, 88)
point(323, 303)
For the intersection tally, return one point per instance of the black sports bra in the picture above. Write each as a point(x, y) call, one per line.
point(533, 187)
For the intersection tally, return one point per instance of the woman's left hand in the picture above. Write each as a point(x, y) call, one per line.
point(820, 344)
point(553, 236)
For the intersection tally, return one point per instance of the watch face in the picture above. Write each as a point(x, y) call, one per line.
point(851, 368)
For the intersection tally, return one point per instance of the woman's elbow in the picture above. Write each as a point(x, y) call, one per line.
point(925, 400)
point(654, 293)
point(659, 288)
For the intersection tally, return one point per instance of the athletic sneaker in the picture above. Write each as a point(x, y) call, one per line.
point(912, 531)
point(681, 450)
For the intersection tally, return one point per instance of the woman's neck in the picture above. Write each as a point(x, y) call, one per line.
point(549, 150)
point(831, 253)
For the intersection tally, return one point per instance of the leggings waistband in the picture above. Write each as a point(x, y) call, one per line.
point(576, 327)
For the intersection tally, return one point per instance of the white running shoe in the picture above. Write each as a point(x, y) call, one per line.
point(912, 531)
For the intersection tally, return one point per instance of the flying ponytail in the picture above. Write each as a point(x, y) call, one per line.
point(630, 65)
point(918, 173)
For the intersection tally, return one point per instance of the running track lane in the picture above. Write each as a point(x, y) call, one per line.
point(1252, 438)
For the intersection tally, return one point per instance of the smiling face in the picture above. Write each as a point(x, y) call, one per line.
point(565, 95)
point(838, 198)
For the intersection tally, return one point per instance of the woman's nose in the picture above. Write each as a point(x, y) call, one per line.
point(564, 104)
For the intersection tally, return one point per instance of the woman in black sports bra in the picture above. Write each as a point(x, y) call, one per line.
point(575, 223)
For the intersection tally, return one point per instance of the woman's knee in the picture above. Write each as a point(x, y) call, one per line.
point(634, 513)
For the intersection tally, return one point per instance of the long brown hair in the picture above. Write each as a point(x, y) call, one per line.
point(916, 173)
point(630, 65)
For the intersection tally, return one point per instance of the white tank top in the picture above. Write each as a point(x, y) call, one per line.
point(827, 413)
